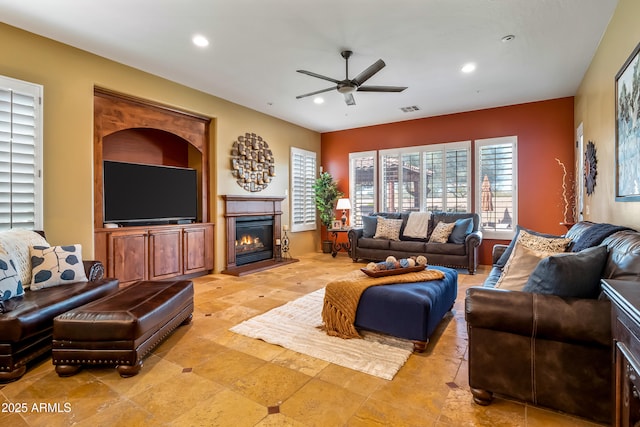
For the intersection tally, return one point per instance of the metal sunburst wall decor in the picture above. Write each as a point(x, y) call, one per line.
point(252, 162)
point(590, 167)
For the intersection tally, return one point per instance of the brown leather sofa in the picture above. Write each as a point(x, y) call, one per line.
point(26, 322)
point(547, 350)
point(455, 255)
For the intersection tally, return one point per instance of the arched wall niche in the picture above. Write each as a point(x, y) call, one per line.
point(139, 131)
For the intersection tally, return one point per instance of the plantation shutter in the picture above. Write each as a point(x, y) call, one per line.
point(303, 175)
point(496, 185)
point(363, 185)
point(20, 161)
point(457, 172)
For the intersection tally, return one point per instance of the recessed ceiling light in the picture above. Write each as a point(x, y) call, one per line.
point(508, 38)
point(200, 40)
point(318, 100)
point(468, 68)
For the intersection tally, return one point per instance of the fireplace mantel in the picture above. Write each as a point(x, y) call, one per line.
point(237, 206)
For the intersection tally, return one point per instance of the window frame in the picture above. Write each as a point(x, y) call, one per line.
point(478, 144)
point(309, 180)
point(36, 91)
point(421, 149)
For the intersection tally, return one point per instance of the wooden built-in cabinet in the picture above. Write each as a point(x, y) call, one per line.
point(155, 253)
point(133, 130)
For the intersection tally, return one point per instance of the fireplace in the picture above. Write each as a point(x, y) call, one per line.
point(254, 239)
point(253, 226)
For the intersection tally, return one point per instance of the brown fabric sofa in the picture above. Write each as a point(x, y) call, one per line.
point(26, 322)
point(455, 255)
point(544, 349)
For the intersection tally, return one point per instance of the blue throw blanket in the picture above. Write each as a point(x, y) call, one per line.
point(594, 235)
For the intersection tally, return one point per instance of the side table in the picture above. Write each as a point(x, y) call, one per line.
point(338, 246)
point(625, 324)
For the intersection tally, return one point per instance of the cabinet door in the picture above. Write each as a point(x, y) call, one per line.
point(164, 253)
point(127, 256)
point(198, 252)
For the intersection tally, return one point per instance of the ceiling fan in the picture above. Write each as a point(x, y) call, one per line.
point(348, 86)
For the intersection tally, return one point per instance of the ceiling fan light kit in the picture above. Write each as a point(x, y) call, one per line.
point(348, 86)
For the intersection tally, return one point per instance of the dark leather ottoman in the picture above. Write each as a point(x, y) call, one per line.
point(120, 329)
point(408, 310)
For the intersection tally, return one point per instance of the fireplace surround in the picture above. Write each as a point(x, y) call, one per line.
point(263, 214)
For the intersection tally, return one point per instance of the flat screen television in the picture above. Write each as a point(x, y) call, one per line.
point(139, 194)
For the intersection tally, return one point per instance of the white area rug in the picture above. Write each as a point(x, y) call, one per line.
point(295, 326)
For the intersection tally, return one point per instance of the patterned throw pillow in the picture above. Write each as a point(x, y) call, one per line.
point(518, 268)
point(543, 244)
point(442, 232)
point(56, 265)
point(10, 283)
point(388, 229)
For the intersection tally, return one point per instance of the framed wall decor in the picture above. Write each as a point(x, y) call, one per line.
point(627, 150)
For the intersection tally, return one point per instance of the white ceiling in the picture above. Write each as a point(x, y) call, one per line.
point(257, 46)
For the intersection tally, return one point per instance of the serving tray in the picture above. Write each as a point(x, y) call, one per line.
point(393, 272)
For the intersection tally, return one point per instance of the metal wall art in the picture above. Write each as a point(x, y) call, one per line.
point(590, 168)
point(252, 162)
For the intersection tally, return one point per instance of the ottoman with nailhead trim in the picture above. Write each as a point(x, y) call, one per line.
point(122, 328)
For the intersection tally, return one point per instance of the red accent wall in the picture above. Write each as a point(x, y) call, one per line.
point(544, 130)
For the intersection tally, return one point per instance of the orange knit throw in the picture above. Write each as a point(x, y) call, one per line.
point(342, 296)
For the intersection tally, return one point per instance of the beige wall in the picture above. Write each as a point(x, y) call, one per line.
point(595, 108)
point(69, 76)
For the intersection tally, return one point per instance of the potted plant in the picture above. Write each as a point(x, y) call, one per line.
point(326, 196)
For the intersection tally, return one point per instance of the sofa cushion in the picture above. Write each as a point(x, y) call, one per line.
point(369, 224)
point(442, 232)
point(371, 243)
point(405, 246)
point(521, 263)
point(446, 249)
point(16, 244)
point(34, 312)
point(388, 229)
point(502, 261)
point(56, 265)
point(10, 283)
point(462, 228)
point(570, 275)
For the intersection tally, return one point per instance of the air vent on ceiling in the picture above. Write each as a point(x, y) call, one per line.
point(410, 109)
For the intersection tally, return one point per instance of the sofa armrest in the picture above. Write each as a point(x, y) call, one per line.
point(473, 239)
point(497, 252)
point(94, 270)
point(540, 316)
point(354, 234)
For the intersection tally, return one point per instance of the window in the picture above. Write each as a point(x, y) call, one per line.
point(303, 176)
point(427, 178)
point(363, 185)
point(496, 186)
point(20, 154)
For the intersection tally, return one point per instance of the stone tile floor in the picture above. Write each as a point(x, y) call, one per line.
point(204, 375)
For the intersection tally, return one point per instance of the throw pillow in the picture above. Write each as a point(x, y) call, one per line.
point(417, 225)
point(388, 229)
point(10, 283)
point(442, 232)
point(518, 268)
point(369, 225)
point(502, 261)
point(462, 228)
point(570, 275)
point(56, 265)
point(544, 244)
point(16, 244)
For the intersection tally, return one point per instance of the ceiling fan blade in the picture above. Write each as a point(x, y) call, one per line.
point(319, 76)
point(369, 72)
point(349, 99)
point(381, 88)
point(316, 92)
